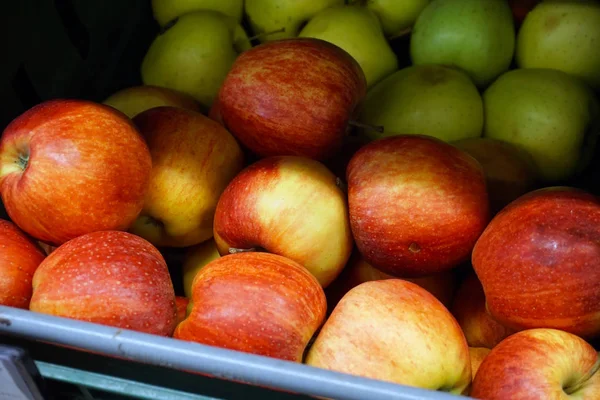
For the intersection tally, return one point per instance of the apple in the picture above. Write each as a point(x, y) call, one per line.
point(258, 303)
point(358, 271)
point(291, 206)
point(417, 204)
point(475, 36)
point(19, 258)
point(537, 262)
point(182, 304)
point(166, 11)
point(193, 159)
point(478, 354)
point(196, 258)
point(539, 364)
point(469, 309)
point(273, 20)
point(432, 100)
point(520, 9)
point(397, 17)
point(292, 97)
point(70, 167)
point(135, 99)
point(194, 54)
point(562, 35)
point(394, 330)
point(549, 114)
point(107, 277)
point(510, 171)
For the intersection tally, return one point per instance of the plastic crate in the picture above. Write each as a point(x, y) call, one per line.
point(89, 49)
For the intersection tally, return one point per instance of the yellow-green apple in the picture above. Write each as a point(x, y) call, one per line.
point(548, 113)
point(394, 330)
point(193, 160)
point(182, 305)
point(358, 271)
point(134, 99)
point(194, 54)
point(70, 167)
point(475, 36)
point(432, 100)
point(195, 259)
point(397, 17)
point(537, 262)
point(358, 31)
point(272, 20)
point(469, 309)
point(258, 303)
point(478, 354)
point(417, 204)
point(291, 206)
point(19, 258)
point(510, 171)
point(562, 35)
point(107, 277)
point(292, 97)
point(166, 11)
point(539, 364)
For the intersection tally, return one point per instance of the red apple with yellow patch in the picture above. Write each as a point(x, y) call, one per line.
point(291, 97)
point(258, 303)
point(417, 204)
point(19, 258)
point(108, 277)
point(71, 167)
point(135, 99)
point(291, 206)
point(538, 262)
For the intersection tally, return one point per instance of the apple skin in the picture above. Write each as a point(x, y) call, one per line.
point(394, 330)
point(292, 97)
point(100, 159)
point(19, 258)
point(417, 204)
point(135, 99)
point(539, 364)
point(196, 258)
point(478, 354)
point(469, 309)
point(194, 159)
point(358, 271)
point(289, 206)
point(537, 262)
point(107, 277)
point(182, 304)
point(258, 303)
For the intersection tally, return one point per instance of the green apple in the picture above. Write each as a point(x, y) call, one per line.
point(396, 16)
point(133, 100)
point(426, 99)
point(475, 35)
point(280, 19)
point(167, 10)
point(563, 35)
point(358, 31)
point(549, 113)
point(195, 54)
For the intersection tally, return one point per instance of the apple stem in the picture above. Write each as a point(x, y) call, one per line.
point(584, 378)
point(233, 250)
point(366, 126)
point(258, 36)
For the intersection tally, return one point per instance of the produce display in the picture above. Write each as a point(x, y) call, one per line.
point(381, 188)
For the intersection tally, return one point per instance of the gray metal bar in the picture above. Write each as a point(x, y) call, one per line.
point(194, 357)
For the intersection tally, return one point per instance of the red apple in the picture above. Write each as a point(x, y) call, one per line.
point(108, 277)
point(71, 167)
point(539, 364)
point(394, 330)
point(538, 262)
point(480, 329)
point(258, 303)
point(417, 204)
point(19, 258)
point(291, 97)
point(291, 206)
point(478, 354)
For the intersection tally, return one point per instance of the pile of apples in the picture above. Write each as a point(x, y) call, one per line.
point(413, 225)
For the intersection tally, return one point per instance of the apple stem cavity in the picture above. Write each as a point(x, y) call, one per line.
point(23, 160)
point(263, 34)
point(362, 125)
point(579, 383)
